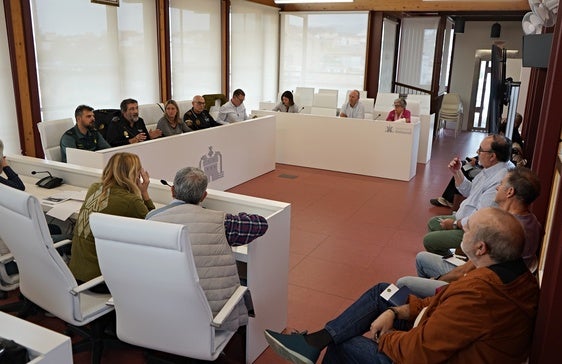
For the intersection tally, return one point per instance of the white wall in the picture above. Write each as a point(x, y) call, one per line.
point(477, 36)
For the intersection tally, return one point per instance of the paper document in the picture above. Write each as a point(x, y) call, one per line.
point(63, 196)
point(64, 210)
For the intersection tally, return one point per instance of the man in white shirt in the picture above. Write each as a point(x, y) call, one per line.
point(234, 110)
point(353, 108)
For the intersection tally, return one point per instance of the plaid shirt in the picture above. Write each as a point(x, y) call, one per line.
point(243, 228)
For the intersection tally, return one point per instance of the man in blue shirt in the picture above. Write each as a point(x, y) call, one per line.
point(445, 232)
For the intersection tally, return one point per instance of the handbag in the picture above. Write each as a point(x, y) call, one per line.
point(12, 353)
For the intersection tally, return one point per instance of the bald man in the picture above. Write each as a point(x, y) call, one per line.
point(198, 117)
point(353, 108)
point(486, 316)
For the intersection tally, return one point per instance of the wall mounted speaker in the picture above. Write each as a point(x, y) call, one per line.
point(496, 30)
point(459, 25)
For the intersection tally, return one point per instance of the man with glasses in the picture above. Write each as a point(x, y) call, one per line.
point(234, 110)
point(198, 117)
point(445, 232)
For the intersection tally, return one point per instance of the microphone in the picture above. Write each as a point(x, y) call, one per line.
point(165, 183)
point(49, 181)
point(35, 172)
point(302, 108)
point(378, 116)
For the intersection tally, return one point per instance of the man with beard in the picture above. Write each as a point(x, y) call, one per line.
point(83, 135)
point(129, 128)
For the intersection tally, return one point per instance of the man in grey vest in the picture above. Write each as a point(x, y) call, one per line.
point(211, 233)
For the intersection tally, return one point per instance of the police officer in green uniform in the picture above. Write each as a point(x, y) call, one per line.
point(83, 135)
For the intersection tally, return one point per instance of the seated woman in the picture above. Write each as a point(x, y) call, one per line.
point(171, 123)
point(399, 111)
point(123, 191)
point(287, 103)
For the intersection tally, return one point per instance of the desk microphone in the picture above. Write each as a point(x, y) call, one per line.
point(35, 172)
point(165, 183)
point(49, 181)
point(377, 117)
point(302, 108)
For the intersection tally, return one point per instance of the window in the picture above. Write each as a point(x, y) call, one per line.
point(389, 28)
point(98, 56)
point(417, 48)
point(9, 127)
point(195, 37)
point(323, 50)
point(254, 51)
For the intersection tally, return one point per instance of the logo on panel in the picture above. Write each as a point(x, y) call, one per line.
point(211, 164)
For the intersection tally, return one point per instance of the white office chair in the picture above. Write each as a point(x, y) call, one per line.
point(45, 279)
point(151, 113)
point(50, 133)
point(158, 300)
point(451, 110)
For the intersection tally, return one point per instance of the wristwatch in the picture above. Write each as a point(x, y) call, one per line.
point(455, 224)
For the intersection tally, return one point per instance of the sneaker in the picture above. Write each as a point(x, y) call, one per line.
point(292, 347)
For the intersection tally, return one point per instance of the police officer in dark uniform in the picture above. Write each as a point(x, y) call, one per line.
point(197, 117)
point(83, 135)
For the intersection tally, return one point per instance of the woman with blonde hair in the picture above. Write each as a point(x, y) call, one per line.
point(170, 123)
point(122, 191)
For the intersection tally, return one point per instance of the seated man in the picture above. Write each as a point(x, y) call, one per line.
point(485, 317)
point(129, 128)
point(518, 189)
point(197, 117)
point(234, 110)
point(353, 108)
point(446, 232)
point(12, 179)
point(83, 135)
point(211, 234)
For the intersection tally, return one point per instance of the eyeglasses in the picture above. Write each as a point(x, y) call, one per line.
point(480, 150)
point(397, 105)
point(200, 102)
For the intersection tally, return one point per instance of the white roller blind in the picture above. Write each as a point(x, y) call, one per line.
point(195, 36)
point(8, 121)
point(254, 51)
point(94, 54)
point(323, 50)
point(389, 28)
point(417, 47)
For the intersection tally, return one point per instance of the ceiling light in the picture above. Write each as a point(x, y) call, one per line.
point(311, 1)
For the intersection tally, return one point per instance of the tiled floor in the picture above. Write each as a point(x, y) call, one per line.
point(348, 232)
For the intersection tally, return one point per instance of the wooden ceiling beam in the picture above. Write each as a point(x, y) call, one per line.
point(407, 6)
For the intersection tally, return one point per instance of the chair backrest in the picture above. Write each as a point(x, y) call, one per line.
point(158, 300)
point(211, 100)
point(385, 101)
point(451, 103)
point(151, 113)
point(304, 95)
point(44, 277)
point(326, 100)
point(50, 133)
point(414, 107)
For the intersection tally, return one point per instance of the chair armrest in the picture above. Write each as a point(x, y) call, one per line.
point(6, 258)
point(229, 306)
point(58, 244)
point(87, 285)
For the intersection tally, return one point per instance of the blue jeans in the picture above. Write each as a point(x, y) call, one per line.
point(348, 345)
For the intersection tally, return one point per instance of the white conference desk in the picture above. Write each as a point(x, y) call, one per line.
point(44, 346)
point(230, 154)
point(267, 257)
point(368, 147)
